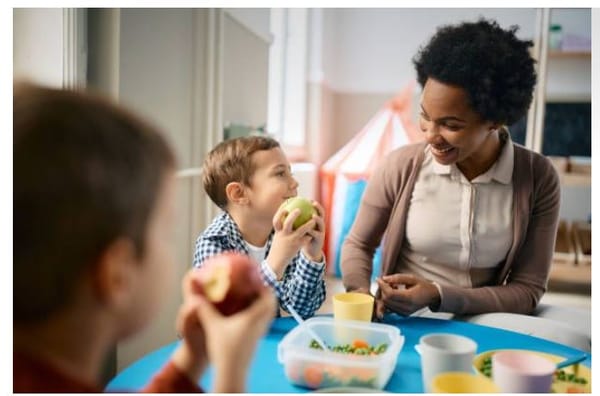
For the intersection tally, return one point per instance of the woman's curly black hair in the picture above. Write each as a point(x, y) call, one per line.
point(491, 64)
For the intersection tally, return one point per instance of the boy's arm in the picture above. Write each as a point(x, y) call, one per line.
point(206, 248)
point(302, 285)
point(171, 380)
point(182, 372)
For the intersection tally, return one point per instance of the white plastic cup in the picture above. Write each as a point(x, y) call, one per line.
point(522, 372)
point(442, 353)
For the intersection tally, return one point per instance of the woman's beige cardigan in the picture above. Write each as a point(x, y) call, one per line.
point(521, 279)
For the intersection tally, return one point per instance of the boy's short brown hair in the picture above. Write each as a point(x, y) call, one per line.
point(85, 173)
point(231, 161)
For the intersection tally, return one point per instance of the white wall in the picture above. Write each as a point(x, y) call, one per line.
point(254, 19)
point(573, 21)
point(38, 45)
point(245, 73)
point(156, 70)
point(370, 50)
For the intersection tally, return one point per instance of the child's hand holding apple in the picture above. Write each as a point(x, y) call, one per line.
point(231, 281)
point(313, 248)
point(226, 309)
point(296, 222)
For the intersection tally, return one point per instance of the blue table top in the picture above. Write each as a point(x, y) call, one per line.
point(267, 375)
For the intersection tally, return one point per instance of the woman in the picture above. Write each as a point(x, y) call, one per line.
point(469, 218)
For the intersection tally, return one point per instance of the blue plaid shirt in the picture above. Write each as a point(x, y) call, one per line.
point(302, 286)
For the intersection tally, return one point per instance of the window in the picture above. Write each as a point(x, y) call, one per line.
point(287, 76)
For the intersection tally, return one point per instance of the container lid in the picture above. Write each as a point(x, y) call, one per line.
point(289, 341)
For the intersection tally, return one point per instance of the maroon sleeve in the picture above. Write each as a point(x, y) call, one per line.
point(171, 380)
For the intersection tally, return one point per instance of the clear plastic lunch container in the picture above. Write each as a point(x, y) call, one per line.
point(317, 369)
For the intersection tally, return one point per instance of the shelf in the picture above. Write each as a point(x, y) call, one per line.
point(571, 173)
point(570, 271)
point(578, 175)
point(569, 54)
point(574, 274)
point(575, 179)
point(569, 97)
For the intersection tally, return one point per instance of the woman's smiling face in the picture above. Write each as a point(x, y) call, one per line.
point(455, 133)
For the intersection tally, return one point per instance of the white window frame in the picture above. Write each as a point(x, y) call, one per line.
point(288, 57)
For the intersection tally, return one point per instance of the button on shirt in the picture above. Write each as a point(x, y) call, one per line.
point(458, 231)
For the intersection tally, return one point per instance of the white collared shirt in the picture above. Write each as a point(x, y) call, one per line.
point(256, 252)
point(456, 227)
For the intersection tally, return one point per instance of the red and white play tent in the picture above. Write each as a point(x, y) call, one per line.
point(344, 176)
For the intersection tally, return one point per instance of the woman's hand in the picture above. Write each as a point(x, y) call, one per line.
point(405, 294)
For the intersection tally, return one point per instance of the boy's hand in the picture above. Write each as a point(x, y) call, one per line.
point(231, 340)
point(191, 356)
point(313, 249)
point(287, 241)
point(228, 342)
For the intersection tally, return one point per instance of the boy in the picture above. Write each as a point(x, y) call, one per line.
point(249, 178)
point(93, 212)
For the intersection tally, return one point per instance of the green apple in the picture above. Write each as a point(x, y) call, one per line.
point(306, 209)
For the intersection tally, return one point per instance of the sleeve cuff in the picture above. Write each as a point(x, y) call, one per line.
point(306, 262)
point(171, 380)
point(270, 278)
point(268, 272)
point(435, 308)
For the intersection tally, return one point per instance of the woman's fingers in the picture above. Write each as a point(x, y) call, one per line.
point(379, 308)
point(401, 279)
point(388, 290)
point(398, 300)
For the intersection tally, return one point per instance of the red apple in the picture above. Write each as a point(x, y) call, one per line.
point(231, 281)
point(306, 209)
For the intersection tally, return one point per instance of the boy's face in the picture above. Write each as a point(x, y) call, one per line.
point(154, 269)
point(271, 184)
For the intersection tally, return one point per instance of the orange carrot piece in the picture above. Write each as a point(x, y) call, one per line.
point(360, 344)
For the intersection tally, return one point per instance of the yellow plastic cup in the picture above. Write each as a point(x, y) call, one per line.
point(353, 306)
point(461, 382)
